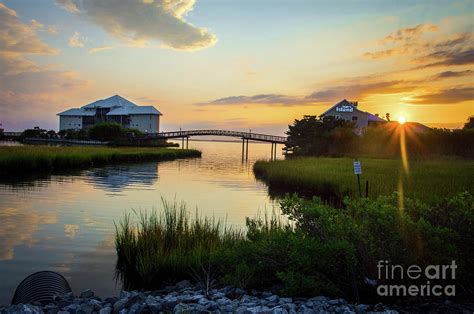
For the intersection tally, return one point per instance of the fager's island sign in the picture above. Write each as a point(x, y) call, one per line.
point(345, 109)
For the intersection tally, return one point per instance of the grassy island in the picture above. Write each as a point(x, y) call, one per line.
point(28, 159)
point(320, 250)
point(426, 180)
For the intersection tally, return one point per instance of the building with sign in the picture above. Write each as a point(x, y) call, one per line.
point(349, 111)
point(112, 109)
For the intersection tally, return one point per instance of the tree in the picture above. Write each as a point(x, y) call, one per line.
point(107, 131)
point(469, 124)
point(315, 136)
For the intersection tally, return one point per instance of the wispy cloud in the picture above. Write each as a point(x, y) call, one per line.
point(101, 49)
point(450, 74)
point(445, 50)
point(138, 22)
point(266, 99)
point(358, 90)
point(77, 40)
point(445, 96)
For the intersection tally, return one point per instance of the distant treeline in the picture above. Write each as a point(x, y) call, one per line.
point(111, 132)
point(312, 136)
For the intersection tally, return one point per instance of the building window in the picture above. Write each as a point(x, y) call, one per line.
point(354, 118)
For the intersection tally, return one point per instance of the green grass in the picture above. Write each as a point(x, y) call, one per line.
point(333, 178)
point(27, 159)
point(154, 249)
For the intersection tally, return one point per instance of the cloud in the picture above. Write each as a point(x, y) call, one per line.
point(450, 58)
point(446, 96)
point(268, 99)
point(18, 37)
point(68, 5)
point(76, 40)
point(141, 21)
point(450, 74)
point(358, 89)
point(409, 33)
point(101, 49)
point(445, 50)
point(28, 89)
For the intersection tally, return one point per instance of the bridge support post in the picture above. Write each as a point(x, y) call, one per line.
point(247, 151)
point(187, 142)
point(275, 152)
point(243, 148)
point(271, 155)
point(182, 143)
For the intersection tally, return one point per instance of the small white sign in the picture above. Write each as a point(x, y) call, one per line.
point(344, 109)
point(357, 167)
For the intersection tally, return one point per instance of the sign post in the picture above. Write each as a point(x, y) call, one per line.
point(358, 172)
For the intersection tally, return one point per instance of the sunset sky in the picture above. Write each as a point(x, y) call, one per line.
point(237, 64)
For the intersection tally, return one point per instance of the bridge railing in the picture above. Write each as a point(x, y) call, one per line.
point(245, 135)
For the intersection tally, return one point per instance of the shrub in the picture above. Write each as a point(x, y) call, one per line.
point(107, 131)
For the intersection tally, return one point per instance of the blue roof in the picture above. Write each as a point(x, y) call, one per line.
point(76, 112)
point(114, 101)
point(133, 110)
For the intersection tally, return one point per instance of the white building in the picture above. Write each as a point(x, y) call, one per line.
point(112, 109)
point(349, 111)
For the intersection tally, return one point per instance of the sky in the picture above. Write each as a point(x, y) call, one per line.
point(237, 64)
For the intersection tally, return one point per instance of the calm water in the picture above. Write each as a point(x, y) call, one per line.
point(65, 223)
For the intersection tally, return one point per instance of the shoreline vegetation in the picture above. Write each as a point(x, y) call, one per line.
point(332, 178)
point(27, 159)
point(315, 250)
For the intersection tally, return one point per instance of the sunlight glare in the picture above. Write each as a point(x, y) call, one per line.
point(402, 119)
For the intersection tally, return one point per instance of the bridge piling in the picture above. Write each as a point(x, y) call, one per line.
point(247, 151)
point(187, 142)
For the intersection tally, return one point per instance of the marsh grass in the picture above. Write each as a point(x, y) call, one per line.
point(157, 248)
point(27, 159)
point(333, 178)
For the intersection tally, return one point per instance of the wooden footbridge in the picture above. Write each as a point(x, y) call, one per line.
point(245, 136)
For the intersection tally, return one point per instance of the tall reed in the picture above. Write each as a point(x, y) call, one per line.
point(159, 248)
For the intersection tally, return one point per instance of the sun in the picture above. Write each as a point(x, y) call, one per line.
point(402, 119)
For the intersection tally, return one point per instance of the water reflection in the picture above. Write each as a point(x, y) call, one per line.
point(116, 178)
point(65, 222)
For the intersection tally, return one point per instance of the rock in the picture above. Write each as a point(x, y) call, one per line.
point(62, 312)
point(223, 301)
point(286, 300)
point(71, 308)
point(272, 298)
point(182, 308)
point(85, 309)
point(318, 299)
point(169, 302)
point(258, 310)
point(337, 302)
point(279, 310)
point(88, 293)
point(111, 300)
point(105, 310)
point(135, 308)
point(266, 294)
point(120, 304)
point(361, 308)
point(183, 284)
point(154, 307)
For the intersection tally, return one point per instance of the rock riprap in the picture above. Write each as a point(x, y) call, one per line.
point(186, 298)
